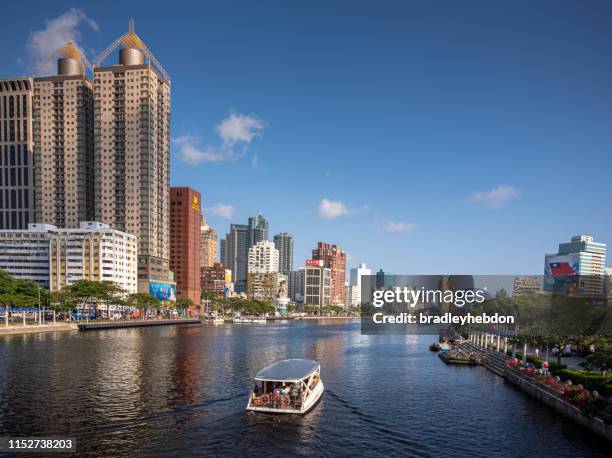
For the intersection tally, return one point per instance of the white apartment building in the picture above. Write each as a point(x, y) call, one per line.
point(353, 294)
point(24, 254)
point(263, 258)
point(355, 279)
point(317, 286)
point(55, 258)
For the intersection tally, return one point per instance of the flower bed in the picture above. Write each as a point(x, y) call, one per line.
point(589, 401)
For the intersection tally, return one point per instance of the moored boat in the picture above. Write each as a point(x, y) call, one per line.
point(287, 386)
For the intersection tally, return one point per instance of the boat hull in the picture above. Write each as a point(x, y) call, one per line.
point(308, 405)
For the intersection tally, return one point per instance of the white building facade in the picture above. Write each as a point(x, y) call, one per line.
point(56, 258)
point(355, 280)
point(263, 258)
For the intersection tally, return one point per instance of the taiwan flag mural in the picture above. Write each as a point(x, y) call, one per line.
point(559, 269)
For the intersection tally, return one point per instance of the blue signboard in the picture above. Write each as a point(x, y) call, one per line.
point(163, 291)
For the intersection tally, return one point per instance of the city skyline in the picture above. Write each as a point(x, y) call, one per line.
point(451, 218)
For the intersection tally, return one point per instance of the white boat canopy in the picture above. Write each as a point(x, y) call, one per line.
point(287, 370)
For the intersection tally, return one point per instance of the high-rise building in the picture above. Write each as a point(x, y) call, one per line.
point(317, 284)
point(234, 248)
point(235, 254)
point(284, 245)
point(132, 154)
point(208, 244)
point(16, 154)
point(263, 257)
point(55, 258)
point(258, 229)
point(380, 279)
point(185, 223)
point(63, 143)
point(297, 279)
point(335, 259)
point(355, 280)
point(578, 268)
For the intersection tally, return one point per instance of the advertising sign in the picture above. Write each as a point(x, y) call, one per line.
point(163, 291)
point(195, 204)
point(559, 269)
point(314, 262)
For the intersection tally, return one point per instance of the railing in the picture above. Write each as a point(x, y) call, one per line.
point(281, 401)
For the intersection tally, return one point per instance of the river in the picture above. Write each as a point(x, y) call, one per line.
point(176, 390)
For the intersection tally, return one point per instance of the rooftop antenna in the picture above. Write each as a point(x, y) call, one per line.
point(131, 25)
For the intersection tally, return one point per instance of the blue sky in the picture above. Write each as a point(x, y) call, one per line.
point(422, 137)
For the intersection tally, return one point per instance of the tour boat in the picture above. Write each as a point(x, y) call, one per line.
point(287, 386)
point(258, 320)
point(215, 320)
point(242, 320)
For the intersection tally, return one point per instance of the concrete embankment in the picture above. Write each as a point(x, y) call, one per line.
point(327, 317)
point(92, 326)
point(596, 425)
point(37, 328)
point(495, 362)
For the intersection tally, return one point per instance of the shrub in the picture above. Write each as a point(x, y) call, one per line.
point(553, 368)
point(590, 380)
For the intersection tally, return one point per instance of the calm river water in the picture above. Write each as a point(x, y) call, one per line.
point(182, 390)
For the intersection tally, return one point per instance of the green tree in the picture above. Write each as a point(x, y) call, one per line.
point(143, 302)
point(90, 294)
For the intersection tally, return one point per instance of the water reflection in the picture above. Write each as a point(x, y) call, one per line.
point(182, 390)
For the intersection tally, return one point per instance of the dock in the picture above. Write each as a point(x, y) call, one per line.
point(93, 326)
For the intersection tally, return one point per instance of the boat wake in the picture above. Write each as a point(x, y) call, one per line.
point(387, 431)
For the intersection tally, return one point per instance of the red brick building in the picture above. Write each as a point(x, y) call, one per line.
point(335, 259)
point(213, 279)
point(185, 221)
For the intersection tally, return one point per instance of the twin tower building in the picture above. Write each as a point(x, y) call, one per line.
point(74, 149)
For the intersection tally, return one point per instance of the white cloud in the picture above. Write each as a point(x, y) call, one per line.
point(396, 227)
point(234, 131)
point(330, 209)
point(496, 197)
point(192, 153)
point(57, 32)
point(238, 128)
point(223, 211)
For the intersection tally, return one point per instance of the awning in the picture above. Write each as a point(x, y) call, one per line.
point(288, 370)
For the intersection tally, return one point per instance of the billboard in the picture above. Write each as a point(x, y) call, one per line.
point(163, 291)
point(314, 262)
point(559, 270)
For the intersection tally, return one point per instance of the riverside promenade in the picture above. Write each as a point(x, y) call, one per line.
point(495, 360)
point(37, 328)
point(98, 325)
